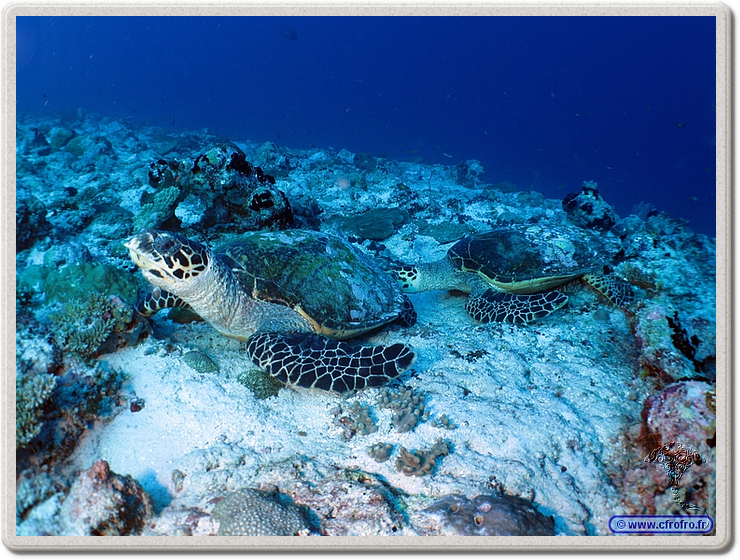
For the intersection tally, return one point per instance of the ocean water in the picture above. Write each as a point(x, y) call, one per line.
point(543, 103)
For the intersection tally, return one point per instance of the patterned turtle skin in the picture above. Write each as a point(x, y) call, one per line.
point(291, 295)
point(507, 277)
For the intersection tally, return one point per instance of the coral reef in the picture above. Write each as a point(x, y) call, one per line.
point(253, 512)
point(30, 222)
point(103, 503)
point(688, 345)
point(218, 190)
point(490, 515)
point(421, 462)
point(588, 209)
point(681, 413)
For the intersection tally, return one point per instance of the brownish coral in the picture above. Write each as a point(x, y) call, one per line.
point(421, 462)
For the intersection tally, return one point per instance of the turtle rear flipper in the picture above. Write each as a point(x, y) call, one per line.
point(504, 307)
point(617, 292)
point(316, 362)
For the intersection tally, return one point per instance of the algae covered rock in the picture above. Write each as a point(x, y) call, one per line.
point(589, 210)
point(218, 189)
point(262, 384)
point(30, 222)
point(376, 224)
point(200, 362)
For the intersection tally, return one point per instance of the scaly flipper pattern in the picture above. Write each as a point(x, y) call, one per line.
point(316, 362)
point(157, 300)
point(500, 307)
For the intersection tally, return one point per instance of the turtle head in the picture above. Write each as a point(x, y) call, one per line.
point(407, 277)
point(168, 260)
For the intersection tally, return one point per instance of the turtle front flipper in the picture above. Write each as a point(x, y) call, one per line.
point(316, 362)
point(157, 300)
point(493, 306)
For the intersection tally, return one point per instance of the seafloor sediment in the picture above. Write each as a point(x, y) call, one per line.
point(129, 426)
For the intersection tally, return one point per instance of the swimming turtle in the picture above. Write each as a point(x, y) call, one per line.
point(507, 277)
point(290, 295)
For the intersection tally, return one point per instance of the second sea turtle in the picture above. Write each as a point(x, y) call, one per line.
point(508, 277)
point(291, 295)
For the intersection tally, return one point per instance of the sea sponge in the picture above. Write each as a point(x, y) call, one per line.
point(490, 515)
point(251, 512)
point(157, 210)
point(588, 209)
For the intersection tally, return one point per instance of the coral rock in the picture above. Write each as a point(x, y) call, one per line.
point(102, 502)
point(490, 516)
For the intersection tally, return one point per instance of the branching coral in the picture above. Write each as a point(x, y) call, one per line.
point(31, 393)
point(85, 326)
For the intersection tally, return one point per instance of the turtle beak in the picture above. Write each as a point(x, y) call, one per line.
point(137, 249)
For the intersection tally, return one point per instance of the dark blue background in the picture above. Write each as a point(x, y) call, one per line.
point(543, 102)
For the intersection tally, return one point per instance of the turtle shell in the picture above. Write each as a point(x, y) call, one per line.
point(341, 291)
point(512, 262)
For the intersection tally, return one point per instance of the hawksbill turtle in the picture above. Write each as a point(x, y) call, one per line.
point(291, 295)
point(507, 277)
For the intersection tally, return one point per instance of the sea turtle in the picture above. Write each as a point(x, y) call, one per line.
point(507, 277)
point(289, 294)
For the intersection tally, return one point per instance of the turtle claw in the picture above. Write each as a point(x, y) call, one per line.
point(501, 307)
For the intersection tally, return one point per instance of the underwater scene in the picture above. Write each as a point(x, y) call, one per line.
point(364, 276)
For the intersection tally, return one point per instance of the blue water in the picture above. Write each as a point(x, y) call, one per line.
point(544, 103)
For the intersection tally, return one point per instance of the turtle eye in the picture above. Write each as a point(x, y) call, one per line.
point(166, 247)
